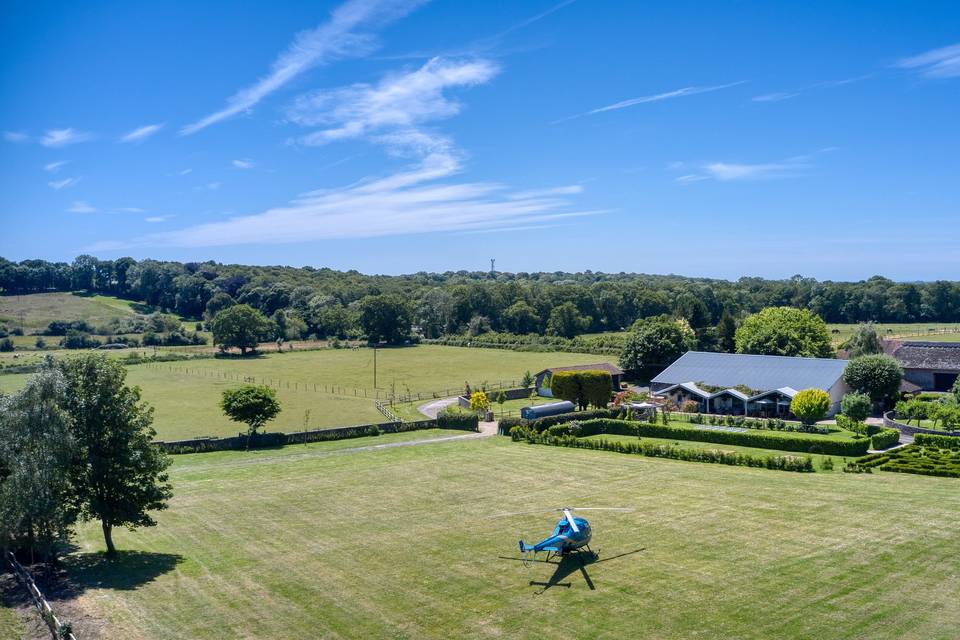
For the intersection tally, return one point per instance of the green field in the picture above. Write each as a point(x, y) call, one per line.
point(40, 309)
point(185, 395)
point(934, 331)
point(299, 543)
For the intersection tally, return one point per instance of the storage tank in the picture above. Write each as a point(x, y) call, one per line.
point(541, 410)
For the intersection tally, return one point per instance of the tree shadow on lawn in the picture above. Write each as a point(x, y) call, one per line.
point(126, 570)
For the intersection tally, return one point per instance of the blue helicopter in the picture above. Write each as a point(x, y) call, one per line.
point(570, 534)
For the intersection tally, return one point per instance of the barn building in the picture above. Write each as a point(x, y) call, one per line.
point(932, 366)
point(746, 384)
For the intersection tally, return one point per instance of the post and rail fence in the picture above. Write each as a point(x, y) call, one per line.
point(59, 630)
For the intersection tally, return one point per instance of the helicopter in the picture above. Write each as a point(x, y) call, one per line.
point(570, 534)
point(569, 543)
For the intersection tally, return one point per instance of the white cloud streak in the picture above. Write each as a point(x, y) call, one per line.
point(15, 136)
point(668, 95)
point(243, 164)
point(937, 63)
point(779, 96)
point(79, 206)
point(339, 37)
point(63, 184)
point(142, 133)
point(130, 210)
point(392, 109)
point(742, 172)
point(53, 167)
point(56, 138)
point(414, 201)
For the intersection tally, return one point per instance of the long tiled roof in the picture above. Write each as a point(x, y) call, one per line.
point(756, 372)
point(942, 356)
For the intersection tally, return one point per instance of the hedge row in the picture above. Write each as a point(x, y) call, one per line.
point(931, 440)
point(275, 439)
point(756, 439)
point(763, 424)
point(542, 424)
point(845, 422)
point(926, 460)
point(780, 463)
point(451, 418)
point(885, 439)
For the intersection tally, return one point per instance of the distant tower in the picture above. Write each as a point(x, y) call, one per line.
point(493, 269)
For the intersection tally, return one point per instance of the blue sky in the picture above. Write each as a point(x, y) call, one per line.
point(391, 136)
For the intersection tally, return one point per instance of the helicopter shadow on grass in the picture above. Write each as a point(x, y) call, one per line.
point(569, 564)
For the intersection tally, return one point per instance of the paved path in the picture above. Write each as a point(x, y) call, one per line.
point(432, 408)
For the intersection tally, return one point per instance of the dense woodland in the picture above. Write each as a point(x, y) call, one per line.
point(328, 301)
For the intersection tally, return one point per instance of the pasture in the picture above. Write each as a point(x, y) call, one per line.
point(306, 542)
point(335, 385)
point(933, 331)
point(37, 310)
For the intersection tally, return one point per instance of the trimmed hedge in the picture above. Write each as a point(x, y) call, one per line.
point(756, 439)
point(508, 423)
point(848, 423)
point(764, 424)
point(931, 440)
point(779, 463)
point(921, 459)
point(541, 424)
point(451, 418)
point(885, 439)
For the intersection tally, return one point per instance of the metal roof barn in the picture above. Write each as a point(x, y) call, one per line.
point(762, 373)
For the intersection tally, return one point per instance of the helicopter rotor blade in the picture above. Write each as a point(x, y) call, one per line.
point(602, 509)
point(573, 524)
point(522, 513)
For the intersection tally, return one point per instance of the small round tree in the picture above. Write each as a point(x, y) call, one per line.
point(856, 406)
point(810, 405)
point(501, 399)
point(878, 376)
point(479, 401)
point(253, 405)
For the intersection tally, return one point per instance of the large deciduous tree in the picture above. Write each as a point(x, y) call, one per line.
point(385, 318)
point(118, 474)
point(239, 326)
point(36, 451)
point(655, 342)
point(566, 321)
point(784, 331)
point(865, 341)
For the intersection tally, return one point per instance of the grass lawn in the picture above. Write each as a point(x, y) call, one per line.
point(269, 545)
point(818, 459)
point(11, 626)
point(186, 394)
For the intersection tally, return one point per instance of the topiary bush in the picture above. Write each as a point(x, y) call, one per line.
point(810, 405)
point(454, 417)
point(885, 439)
point(856, 406)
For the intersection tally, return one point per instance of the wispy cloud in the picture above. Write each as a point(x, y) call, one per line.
point(142, 133)
point(184, 172)
point(210, 186)
point(156, 219)
point(15, 136)
point(62, 137)
point(63, 184)
point(340, 37)
point(738, 171)
point(391, 110)
point(657, 97)
point(130, 210)
point(244, 164)
point(936, 63)
point(53, 167)
point(418, 200)
point(79, 206)
point(778, 96)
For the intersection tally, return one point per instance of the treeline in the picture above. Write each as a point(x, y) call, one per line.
point(462, 302)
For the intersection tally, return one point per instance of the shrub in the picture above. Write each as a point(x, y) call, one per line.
point(690, 406)
point(508, 423)
point(827, 464)
point(6, 344)
point(931, 440)
point(810, 405)
point(40, 343)
point(759, 440)
point(77, 340)
point(775, 462)
point(479, 401)
point(856, 406)
point(885, 439)
point(454, 417)
point(540, 424)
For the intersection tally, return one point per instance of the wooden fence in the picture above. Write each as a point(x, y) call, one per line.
point(58, 629)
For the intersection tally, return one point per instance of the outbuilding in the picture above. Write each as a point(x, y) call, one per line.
point(932, 366)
